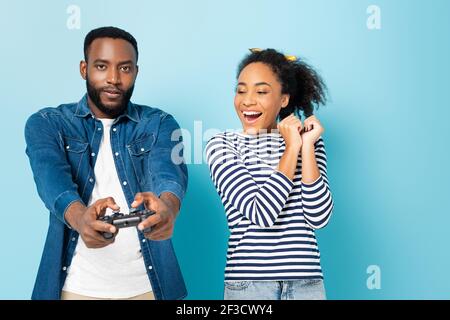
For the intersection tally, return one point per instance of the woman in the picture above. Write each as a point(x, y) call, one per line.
point(272, 179)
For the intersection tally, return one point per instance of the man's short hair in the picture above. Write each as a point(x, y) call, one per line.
point(108, 32)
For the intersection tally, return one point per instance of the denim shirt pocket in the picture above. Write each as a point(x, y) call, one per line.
point(139, 151)
point(75, 149)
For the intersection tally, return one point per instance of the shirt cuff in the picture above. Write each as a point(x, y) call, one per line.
point(312, 184)
point(284, 178)
point(172, 187)
point(62, 203)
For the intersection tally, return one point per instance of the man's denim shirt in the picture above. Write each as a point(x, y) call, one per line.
point(62, 145)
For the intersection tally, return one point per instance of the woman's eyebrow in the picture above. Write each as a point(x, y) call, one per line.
point(262, 84)
point(256, 84)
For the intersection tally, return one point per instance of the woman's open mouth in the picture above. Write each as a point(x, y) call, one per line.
point(251, 116)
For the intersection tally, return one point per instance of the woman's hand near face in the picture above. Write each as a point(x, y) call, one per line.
point(312, 130)
point(311, 133)
point(290, 128)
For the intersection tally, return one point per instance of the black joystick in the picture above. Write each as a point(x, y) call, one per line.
point(120, 220)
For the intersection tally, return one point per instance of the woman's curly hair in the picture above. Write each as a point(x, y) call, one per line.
point(304, 85)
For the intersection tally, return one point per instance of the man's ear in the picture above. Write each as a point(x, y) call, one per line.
point(83, 69)
point(285, 100)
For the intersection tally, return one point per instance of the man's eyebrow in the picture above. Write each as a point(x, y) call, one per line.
point(101, 60)
point(125, 62)
point(107, 62)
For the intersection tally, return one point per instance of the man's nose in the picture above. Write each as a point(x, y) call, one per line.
point(113, 76)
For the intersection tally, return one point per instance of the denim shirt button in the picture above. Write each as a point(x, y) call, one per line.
point(143, 240)
point(73, 239)
point(150, 267)
point(93, 154)
point(124, 183)
point(67, 147)
point(117, 154)
point(64, 268)
point(114, 129)
point(91, 180)
point(99, 129)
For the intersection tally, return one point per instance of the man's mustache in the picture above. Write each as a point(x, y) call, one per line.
point(112, 89)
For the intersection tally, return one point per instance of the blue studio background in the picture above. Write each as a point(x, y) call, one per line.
point(386, 125)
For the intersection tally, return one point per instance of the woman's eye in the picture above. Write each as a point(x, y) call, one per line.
point(262, 92)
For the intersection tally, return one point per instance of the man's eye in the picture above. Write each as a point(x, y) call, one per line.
point(126, 68)
point(100, 67)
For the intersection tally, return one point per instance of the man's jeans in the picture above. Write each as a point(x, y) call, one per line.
point(309, 289)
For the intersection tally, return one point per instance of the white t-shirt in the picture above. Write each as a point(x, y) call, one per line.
point(117, 270)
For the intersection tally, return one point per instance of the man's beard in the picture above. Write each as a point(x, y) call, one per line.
point(113, 112)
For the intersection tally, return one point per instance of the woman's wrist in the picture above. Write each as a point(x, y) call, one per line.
point(293, 149)
point(308, 147)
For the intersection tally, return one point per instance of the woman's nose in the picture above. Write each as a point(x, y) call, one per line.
point(248, 100)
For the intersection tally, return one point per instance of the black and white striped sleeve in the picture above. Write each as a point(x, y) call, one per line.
point(317, 199)
point(259, 204)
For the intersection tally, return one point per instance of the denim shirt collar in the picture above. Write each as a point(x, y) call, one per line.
point(83, 110)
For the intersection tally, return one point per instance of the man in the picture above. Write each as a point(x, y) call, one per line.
point(100, 155)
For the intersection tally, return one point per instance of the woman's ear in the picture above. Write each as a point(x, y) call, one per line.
point(285, 100)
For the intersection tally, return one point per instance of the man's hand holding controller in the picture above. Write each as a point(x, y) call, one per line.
point(85, 221)
point(157, 221)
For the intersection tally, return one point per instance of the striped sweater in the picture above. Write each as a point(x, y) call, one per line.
point(271, 218)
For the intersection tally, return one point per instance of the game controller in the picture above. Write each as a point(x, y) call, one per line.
point(120, 220)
